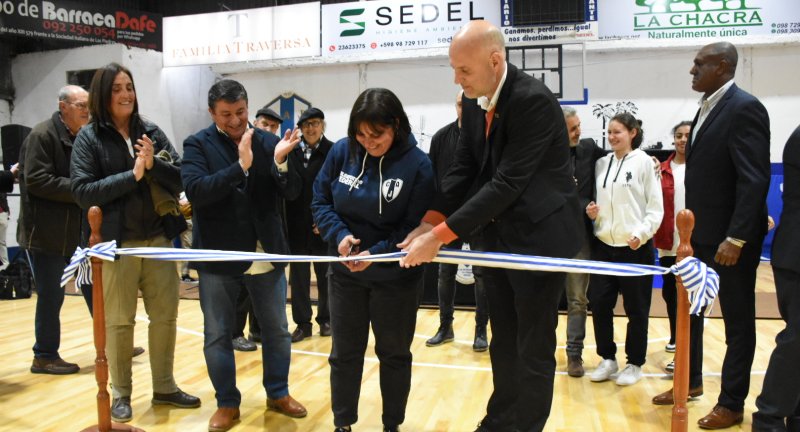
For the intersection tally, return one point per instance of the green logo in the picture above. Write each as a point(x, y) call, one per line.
point(345, 18)
point(668, 5)
point(698, 15)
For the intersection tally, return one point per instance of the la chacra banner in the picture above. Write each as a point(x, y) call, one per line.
point(80, 22)
point(396, 25)
point(690, 19)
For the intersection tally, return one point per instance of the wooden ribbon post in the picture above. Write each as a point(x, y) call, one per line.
point(104, 423)
point(680, 383)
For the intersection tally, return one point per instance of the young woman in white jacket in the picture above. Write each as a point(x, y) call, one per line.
point(626, 215)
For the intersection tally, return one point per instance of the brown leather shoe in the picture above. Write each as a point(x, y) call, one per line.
point(53, 367)
point(137, 351)
point(721, 418)
point(223, 419)
point(287, 405)
point(575, 366)
point(666, 398)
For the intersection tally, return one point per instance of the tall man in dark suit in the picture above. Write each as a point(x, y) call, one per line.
point(779, 402)
point(727, 178)
point(304, 238)
point(235, 176)
point(510, 180)
point(584, 153)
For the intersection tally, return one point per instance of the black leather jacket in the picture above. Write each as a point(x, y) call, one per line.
point(102, 175)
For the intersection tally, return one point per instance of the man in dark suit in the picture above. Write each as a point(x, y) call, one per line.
point(779, 402)
point(511, 180)
point(235, 176)
point(584, 153)
point(304, 239)
point(727, 178)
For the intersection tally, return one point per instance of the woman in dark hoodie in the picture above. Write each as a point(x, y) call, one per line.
point(371, 192)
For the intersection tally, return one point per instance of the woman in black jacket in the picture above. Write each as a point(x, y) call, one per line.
point(127, 166)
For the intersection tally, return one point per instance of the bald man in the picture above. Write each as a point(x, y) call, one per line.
point(50, 220)
point(727, 178)
point(511, 181)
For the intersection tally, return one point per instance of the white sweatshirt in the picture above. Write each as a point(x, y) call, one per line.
point(629, 198)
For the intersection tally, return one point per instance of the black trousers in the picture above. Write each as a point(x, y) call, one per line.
point(300, 282)
point(244, 308)
point(391, 308)
point(523, 315)
point(737, 301)
point(669, 292)
point(637, 291)
point(780, 395)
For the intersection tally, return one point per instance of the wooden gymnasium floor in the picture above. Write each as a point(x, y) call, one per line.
point(450, 384)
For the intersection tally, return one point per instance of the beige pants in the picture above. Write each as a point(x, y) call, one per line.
point(158, 281)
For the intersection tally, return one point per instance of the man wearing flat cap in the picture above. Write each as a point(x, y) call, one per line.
point(268, 120)
point(307, 159)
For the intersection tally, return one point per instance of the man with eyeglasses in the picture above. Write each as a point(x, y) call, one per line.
point(50, 220)
point(307, 159)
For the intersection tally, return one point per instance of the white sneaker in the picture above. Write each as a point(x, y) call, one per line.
point(670, 348)
point(604, 370)
point(630, 375)
point(670, 367)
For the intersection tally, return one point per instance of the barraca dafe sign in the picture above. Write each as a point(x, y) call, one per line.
point(676, 19)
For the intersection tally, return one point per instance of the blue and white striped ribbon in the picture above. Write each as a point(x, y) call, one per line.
point(701, 281)
point(80, 265)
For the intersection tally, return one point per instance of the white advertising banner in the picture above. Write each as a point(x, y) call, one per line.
point(555, 33)
point(397, 25)
point(689, 19)
point(244, 35)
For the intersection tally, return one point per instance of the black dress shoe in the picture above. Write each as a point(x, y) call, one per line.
point(442, 336)
point(242, 344)
point(325, 329)
point(179, 399)
point(187, 278)
point(137, 351)
point(390, 429)
point(343, 429)
point(301, 333)
point(121, 409)
point(480, 344)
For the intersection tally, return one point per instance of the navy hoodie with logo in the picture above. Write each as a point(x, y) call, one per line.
point(378, 200)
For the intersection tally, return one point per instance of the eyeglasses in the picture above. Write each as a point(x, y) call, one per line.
point(80, 105)
point(311, 124)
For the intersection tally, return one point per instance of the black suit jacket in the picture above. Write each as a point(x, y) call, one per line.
point(587, 152)
point(299, 222)
point(786, 245)
point(231, 211)
point(525, 196)
point(728, 171)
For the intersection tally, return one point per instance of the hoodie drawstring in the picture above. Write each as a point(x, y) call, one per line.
point(380, 182)
point(380, 185)
point(363, 165)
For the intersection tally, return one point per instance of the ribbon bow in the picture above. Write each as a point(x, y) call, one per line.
point(80, 265)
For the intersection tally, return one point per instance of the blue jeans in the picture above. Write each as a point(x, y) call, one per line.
point(218, 295)
point(47, 270)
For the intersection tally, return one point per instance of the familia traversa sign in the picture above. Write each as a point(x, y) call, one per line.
point(686, 19)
